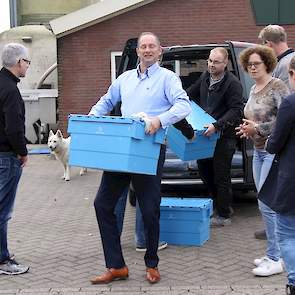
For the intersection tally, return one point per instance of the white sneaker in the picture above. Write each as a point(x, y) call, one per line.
point(11, 267)
point(268, 267)
point(258, 261)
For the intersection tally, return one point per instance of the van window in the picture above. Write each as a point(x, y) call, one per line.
point(244, 77)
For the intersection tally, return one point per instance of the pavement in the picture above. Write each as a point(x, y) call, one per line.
point(54, 230)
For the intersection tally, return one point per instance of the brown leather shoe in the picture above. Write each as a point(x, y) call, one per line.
point(110, 275)
point(152, 275)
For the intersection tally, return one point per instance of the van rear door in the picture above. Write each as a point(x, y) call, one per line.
point(129, 57)
point(247, 82)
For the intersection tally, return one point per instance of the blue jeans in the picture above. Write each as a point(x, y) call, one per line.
point(139, 226)
point(286, 239)
point(262, 162)
point(10, 173)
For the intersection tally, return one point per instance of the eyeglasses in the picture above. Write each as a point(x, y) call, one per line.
point(214, 62)
point(26, 60)
point(255, 64)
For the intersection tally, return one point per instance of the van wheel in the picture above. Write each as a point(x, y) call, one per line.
point(132, 197)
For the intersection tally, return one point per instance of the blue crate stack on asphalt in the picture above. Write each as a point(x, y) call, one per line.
point(185, 221)
point(114, 144)
point(201, 147)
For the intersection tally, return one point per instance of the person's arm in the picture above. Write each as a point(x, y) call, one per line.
point(178, 99)
point(234, 101)
point(283, 127)
point(108, 101)
point(264, 129)
point(14, 123)
point(185, 128)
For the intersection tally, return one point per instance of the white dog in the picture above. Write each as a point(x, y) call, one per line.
point(59, 146)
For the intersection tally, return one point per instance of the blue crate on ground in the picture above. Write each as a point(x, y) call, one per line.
point(114, 144)
point(201, 147)
point(185, 221)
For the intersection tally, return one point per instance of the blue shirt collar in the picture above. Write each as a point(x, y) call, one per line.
point(150, 70)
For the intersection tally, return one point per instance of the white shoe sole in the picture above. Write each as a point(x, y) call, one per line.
point(161, 247)
point(13, 273)
point(266, 274)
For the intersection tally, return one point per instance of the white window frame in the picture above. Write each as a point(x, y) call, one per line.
point(114, 54)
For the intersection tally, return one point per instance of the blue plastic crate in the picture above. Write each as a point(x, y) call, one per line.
point(201, 147)
point(114, 144)
point(185, 221)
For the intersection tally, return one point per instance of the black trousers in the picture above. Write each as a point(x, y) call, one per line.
point(215, 173)
point(147, 189)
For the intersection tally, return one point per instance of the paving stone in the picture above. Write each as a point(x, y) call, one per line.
point(54, 230)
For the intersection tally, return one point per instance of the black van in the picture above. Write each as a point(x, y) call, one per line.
point(189, 62)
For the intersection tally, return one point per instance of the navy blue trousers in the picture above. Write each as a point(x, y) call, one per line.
point(147, 189)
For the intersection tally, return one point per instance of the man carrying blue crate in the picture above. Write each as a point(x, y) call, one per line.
point(220, 94)
point(157, 92)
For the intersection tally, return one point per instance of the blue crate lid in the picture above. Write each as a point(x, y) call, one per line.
point(186, 203)
point(107, 119)
point(138, 133)
point(198, 117)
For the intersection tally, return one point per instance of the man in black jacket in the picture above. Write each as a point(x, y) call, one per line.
point(220, 94)
point(13, 151)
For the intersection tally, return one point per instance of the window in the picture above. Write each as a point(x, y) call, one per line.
point(279, 12)
point(115, 62)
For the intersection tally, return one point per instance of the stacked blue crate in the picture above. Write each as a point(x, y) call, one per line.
point(114, 144)
point(201, 147)
point(185, 221)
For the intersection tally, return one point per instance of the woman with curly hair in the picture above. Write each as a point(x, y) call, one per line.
point(260, 114)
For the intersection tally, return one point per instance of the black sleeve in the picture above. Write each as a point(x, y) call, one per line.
point(235, 106)
point(283, 127)
point(13, 109)
point(185, 128)
point(194, 91)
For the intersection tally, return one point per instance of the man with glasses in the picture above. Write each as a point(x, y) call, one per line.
point(13, 151)
point(220, 94)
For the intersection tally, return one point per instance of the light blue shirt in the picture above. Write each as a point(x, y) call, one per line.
point(156, 92)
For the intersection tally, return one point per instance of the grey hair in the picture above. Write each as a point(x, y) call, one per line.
point(12, 53)
point(273, 33)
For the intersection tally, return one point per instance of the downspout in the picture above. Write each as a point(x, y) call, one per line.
point(13, 13)
point(45, 75)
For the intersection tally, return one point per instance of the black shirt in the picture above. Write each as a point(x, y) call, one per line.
point(12, 115)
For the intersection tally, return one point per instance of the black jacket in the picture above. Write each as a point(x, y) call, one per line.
point(223, 101)
point(279, 187)
point(12, 115)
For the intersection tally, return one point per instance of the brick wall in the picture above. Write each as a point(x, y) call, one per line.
point(84, 56)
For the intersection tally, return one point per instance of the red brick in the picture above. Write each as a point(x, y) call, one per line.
point(84, 56)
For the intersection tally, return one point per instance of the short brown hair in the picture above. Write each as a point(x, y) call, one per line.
point(221, 50)
point(148, 33)
point(266, 53)
point(273, 33)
